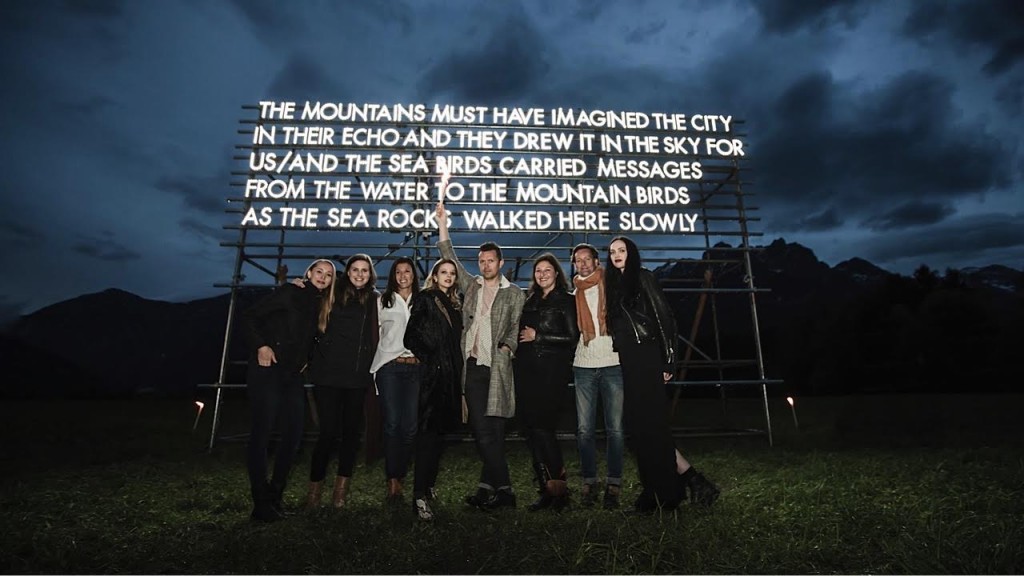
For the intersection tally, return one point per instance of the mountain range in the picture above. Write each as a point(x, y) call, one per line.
point(852, 327)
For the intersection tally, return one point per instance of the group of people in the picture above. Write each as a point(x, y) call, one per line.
point(475, 348)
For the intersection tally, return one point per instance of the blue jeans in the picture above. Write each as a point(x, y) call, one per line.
point(399, 386)
point(590, 383)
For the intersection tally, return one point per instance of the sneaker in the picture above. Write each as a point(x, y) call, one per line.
point(480, 498)
point(588, 495)
point(702, 491)
point(611, 496)
point(423, 511)
point(500, 499)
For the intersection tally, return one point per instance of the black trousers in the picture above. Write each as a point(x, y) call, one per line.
point(275, 394)
point(542, 382)
point(645, 419)
point(488, 431)
point(342, 421)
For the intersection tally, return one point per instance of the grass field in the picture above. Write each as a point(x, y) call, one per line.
point(874, 484)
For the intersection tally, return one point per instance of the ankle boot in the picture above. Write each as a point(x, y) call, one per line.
point(340, 491)
point(275, 492)
point(702, 491)
point(313, 499)
point(558, 488)
point(543, 501)
point(394, 490)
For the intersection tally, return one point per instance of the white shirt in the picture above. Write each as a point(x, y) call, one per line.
point(393, 321)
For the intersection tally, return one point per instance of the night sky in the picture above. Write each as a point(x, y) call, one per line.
point(887, 129)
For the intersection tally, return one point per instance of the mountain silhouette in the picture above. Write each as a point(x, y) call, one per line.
point(852, 327)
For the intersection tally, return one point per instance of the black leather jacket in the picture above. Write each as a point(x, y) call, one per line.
point(286, 321)
point(554, 319)
point(646, 318)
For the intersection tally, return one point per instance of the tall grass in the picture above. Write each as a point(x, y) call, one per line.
point(125, 487)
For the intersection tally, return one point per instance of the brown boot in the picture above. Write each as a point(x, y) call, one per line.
point(313, 499)
point(558, 488)
point(394, 490)
point(340, 491)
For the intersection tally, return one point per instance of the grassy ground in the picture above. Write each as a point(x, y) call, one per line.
point(886, 484)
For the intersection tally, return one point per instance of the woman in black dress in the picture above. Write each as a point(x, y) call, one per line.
point(643, 328)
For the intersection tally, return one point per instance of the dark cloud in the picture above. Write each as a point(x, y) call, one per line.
point(271, 20)
point(509, 65)
point(896, 145)
point(911, 214)
point(105, 248)
point(997, 26)
point(96, 8)
point(205, 194)
point(785, 16)
point(827, 219)
point(952, 240)
point(203, 229)
point(19, 234)
point(1007, 56)
point(303, 78)
point(641, 34)
point(589, 10)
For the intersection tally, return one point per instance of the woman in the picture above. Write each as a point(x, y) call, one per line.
point(644, 332)
point(548, 334)
point(279, 330)
point(340, 371)
point(397, 374)
point(433, 334)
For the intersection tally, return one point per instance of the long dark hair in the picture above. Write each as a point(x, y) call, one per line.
point(560, 282)
point(623, 285)
point(388, 299)
point(345, 290)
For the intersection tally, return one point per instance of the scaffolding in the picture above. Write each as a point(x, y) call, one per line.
point(692, 230)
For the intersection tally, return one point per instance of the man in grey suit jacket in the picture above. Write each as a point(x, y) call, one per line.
point(490, 335)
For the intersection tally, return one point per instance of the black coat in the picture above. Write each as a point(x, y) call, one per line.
point(554, 320)
point(646, 317)
point(344, 352)
point(433, 335)
point(286, 321)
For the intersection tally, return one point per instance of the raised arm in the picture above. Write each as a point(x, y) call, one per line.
point(444, 244)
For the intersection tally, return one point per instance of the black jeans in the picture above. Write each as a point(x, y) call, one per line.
point(488, 431)
point(341, 418)
point(274, 394)
point(542, 384)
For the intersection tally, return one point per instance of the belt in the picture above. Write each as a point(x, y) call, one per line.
point(407, 360)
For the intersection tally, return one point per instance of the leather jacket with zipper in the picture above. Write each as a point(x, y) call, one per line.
point(646, 318)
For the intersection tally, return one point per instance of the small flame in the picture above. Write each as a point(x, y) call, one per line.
point(790, 400)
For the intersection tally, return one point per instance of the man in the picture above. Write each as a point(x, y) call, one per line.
point(490, 312)
point(597, 375)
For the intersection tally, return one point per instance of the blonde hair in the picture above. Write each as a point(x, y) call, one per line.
point(327, 302)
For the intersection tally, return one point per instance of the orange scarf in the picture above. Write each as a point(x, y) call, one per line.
point(583, 315)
